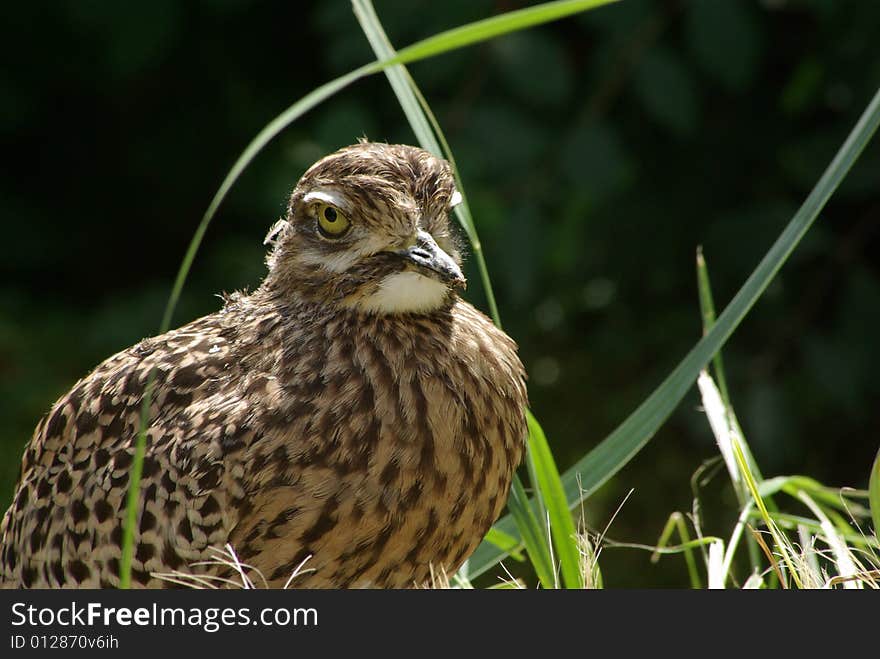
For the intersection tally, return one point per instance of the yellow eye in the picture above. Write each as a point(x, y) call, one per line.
point(332, 222)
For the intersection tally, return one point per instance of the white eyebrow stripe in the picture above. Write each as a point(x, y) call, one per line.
point(326, 196)
point(455, 200)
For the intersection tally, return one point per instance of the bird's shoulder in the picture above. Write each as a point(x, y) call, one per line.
point(486, 350)
point(75, 471)
point(193, 368)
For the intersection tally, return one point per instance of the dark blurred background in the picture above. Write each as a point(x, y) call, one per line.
point(598, 153)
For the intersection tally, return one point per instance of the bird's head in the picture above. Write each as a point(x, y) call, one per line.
point(367, 228)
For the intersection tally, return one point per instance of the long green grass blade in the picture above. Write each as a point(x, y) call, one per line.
point(830, 497)
point(532, 534)
point(874, 495)
point(396, 74)
point(495, 26)
point(506, 543)
point(707, 308)
point(600, 464)
point(782, 545)
point(133, 495)
point(789, 521)
point(548, 482)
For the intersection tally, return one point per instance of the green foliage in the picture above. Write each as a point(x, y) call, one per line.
point(874, 494)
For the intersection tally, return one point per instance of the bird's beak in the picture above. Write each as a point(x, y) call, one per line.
point(427, 256)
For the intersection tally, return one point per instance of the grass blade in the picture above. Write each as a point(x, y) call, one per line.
point(506, 543)
point(676, 522)
point(495, 26)
point(548, 482)
point(707, 308)
point(783, 546)
point(722, 419)
point(789, 521)
point(874, 495)
point(532, 534)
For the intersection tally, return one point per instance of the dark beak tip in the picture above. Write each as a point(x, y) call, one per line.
point(427, 256)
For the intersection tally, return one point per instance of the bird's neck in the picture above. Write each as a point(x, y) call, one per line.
point(321, 299)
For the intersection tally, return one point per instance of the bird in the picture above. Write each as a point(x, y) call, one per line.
point(350, 423)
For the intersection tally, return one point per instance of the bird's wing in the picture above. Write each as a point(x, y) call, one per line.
point(65, 525)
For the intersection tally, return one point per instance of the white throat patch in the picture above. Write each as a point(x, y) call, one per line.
point(406, 292)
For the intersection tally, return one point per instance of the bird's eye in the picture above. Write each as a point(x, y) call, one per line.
point(332, 222)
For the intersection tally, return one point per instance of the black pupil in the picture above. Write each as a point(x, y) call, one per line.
point(330, 214)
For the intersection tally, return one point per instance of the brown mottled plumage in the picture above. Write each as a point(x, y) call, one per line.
point(352, 413)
